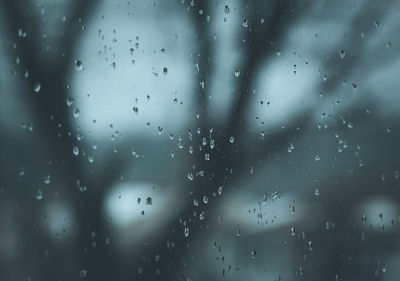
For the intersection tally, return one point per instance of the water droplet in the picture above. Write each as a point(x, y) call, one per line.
point(253, 254)
point(245, 23)
point(75, 150)
point(70, 101)
point(83, 273)
point(237, 72)
point(79, 65)
point(227, 9)
point(317, 157)
point(207, 156)
point(329, 225)
point(134, 153)
point(354, 86)
point(107, 241)
point(39, 194)
point(195, 202)
point(316, 192)
point(220, 189)
point(160, 130)
point(231, 139)
point(186, 232)
point(342, 54)
point(76, 112)
point(212, 144)
point(135, 110)
point(291, 147)
point(47, 179)
point(157, 258)
point(165, 70)
point(149, 201)
point(91, 159)
point(205, 199)
point(278, 53)
point(202, 216)
point(190, 176)
point(36, 87)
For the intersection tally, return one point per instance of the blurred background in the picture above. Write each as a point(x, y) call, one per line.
point(199, 140)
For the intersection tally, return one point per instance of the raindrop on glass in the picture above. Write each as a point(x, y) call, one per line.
point(75, 150)
point(36, 87)
point(70, 101)
point(47, 179)
point(202, 216)
point(186, 232)
point(76, 112)
point(79, 65)
point(39, 194)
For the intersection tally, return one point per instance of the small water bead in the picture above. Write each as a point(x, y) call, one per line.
point(202, 216)
point(76, 112)
point(342, 54)
point(47, 179)
point(190, 176)
point(329, 225)
point(227, 9)
point(135, 110)
point(231, 139)
point(75, 150)
point(205, 199)
point(220, 188)
point(134, 153)
point(317, 157)
point(291, 147)
point(316, 192)
point(354, 87)
point(39, 194)
point(195, 202)
point(237, 72)
point(212, 144)
point(91, 159)
point(160, 130)
point(245, 23)
point(149, 201)
point(69, 101)
point(253, 254)
point(157, 258)
point(83, 273)
point(186, 231)
point(36, 87)
point(207, 156)
point(79, 66)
